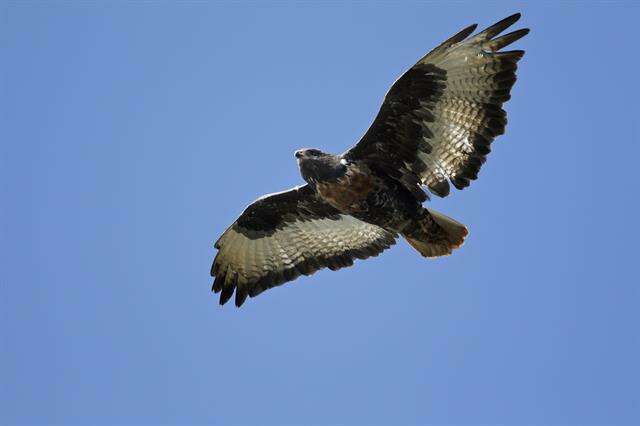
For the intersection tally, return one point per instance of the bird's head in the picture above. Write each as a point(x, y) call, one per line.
point(309, 153)
point(316, 166)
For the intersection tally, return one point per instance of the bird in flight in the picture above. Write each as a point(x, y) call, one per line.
point(434, 129)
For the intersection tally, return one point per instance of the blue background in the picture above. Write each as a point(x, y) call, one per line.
point(134, 133)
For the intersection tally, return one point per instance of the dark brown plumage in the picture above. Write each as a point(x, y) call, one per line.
point(438, 120)
point(435, 128)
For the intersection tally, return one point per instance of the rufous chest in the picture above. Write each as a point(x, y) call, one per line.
point(349, 192)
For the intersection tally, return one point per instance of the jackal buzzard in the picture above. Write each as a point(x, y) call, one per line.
point(435, 127)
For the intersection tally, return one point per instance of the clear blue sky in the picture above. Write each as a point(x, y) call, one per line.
point(135, 133)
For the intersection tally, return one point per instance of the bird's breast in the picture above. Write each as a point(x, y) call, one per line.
point(349, 192)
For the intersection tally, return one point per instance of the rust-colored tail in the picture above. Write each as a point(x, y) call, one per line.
point(435, 234)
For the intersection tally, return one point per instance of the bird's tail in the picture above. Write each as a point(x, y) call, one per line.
point(435, 234)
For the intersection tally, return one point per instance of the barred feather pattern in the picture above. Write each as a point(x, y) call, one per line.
point(301, 236)
point(438, 120)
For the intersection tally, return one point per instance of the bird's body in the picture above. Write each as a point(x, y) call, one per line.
point(434, 128)
point(355, 189)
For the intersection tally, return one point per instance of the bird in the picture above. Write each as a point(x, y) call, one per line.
point(434, 129)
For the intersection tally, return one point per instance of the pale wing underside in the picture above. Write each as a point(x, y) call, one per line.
point(438, 120)
point(259, 252)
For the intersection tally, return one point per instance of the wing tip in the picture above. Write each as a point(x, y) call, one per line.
point(466, 31)
point(498, 27)
point(225, 294)
point(510, 20)
point(505, 40)
point(460, 35)
point(241, 296)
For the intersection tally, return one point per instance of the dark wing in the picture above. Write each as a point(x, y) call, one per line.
point(283, 235)
point(438, 120)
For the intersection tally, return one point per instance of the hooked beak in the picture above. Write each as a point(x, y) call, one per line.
point(299, 153)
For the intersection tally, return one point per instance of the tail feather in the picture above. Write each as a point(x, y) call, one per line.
point(435, 234)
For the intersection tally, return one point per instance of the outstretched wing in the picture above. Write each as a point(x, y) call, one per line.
point(283, 235)
point(438, 120)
